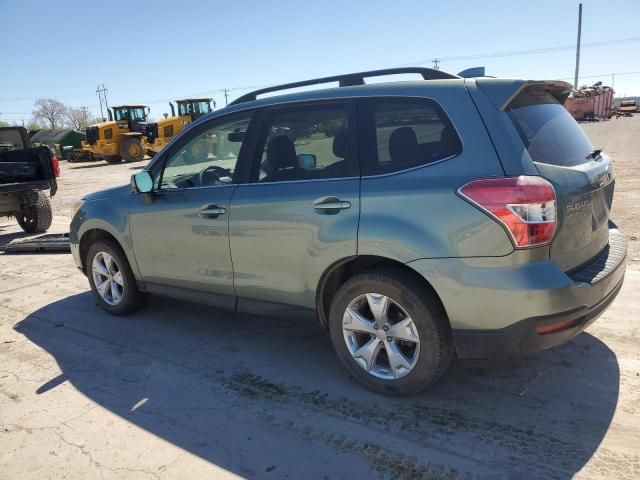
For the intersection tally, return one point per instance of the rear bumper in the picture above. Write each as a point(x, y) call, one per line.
point(496, 305)
point(522, 337)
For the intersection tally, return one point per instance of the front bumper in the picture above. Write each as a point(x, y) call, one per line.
point(497, 305)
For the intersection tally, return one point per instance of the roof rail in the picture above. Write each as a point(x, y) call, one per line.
point(348, 80)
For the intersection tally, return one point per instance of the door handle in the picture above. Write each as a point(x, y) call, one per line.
point(211, 211)
point(331, 204)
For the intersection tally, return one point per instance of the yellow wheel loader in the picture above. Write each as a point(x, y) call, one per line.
point(160, 132)
point(121, 137)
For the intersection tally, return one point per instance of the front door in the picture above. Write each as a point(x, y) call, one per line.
point(180, 233)
point(299, 213)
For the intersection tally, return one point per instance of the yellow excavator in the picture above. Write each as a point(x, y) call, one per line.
point(160, 132)
point(119, 138)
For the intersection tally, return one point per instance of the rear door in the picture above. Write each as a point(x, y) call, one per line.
point(299, 212)
point(582, 176)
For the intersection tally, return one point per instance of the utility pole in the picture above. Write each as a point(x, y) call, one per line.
point(436, 63)
point(102, 93)
point(613, 80)
point(226, 94)
point(85, 115)
point(100, 100)
point(575, 83)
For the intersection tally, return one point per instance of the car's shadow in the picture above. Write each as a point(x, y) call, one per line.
point(198, 378)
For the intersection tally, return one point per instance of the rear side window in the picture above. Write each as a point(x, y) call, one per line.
point(548, 131)
point(406, 133)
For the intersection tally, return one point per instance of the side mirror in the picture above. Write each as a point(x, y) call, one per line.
point(142, 182)
point(307, 161)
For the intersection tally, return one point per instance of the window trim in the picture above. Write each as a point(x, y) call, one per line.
point(367, 131)
point(267, 112)
point(194, 132)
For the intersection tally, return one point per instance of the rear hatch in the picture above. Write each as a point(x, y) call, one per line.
point(582, 176)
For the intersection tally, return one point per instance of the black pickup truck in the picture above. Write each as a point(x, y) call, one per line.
point(26, 174)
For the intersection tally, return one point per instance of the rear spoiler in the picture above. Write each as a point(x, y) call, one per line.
point(502, 92)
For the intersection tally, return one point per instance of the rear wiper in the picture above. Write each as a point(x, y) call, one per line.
point(595, 153)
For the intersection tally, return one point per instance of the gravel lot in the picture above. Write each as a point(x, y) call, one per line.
point(186, 391)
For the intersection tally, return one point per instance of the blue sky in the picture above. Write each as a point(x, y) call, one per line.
point(153, 51)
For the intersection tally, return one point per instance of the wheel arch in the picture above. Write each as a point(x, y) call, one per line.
point(91, 236)
point(339, 272)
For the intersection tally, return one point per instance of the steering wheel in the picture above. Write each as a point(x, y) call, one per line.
point(214, 170)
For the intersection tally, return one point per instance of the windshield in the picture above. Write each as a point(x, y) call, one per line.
point(125, 113)
point(548, 131)
point(136, 113)
point(121, 113)
point(191, 108)
point(185, 108)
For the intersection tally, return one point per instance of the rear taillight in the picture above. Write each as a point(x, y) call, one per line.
point(55, 165)
point(525, 205)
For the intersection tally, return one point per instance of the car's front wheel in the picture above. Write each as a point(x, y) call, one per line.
point(111, 279)
point(391, 334)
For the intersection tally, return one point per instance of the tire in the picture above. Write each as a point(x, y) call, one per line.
point(112, 158)
point(131, 298)
point(197, 152)
point(36, 218)
point(131, 150)
point(429, 320)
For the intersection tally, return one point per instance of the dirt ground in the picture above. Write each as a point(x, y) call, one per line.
point(186, 391)
point(620, 138)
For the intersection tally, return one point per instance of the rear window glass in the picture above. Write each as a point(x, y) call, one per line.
point(10, 140)
point(408, 133)
point(548, 131)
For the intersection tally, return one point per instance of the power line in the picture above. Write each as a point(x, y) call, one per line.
point(514, 53)
point(437, 61)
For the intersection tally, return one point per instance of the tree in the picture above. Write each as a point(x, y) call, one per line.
point(50, 111)
point(3, 124)
point(77, 118)
point(32, 126)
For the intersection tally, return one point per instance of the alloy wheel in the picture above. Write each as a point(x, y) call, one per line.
point(381, 336)
point(107, 278)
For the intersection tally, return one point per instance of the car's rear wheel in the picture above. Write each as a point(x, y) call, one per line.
point(111, 279)
point(37, 217)
point(390, 333)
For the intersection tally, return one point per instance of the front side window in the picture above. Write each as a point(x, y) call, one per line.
point(202, 107)
point(209, 159)
point(306, 143)
point(407, 133)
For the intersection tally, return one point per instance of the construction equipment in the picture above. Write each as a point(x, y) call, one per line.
point(159, 133)
point(119, 138)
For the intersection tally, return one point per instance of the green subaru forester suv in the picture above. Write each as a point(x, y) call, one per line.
point(420, 220)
